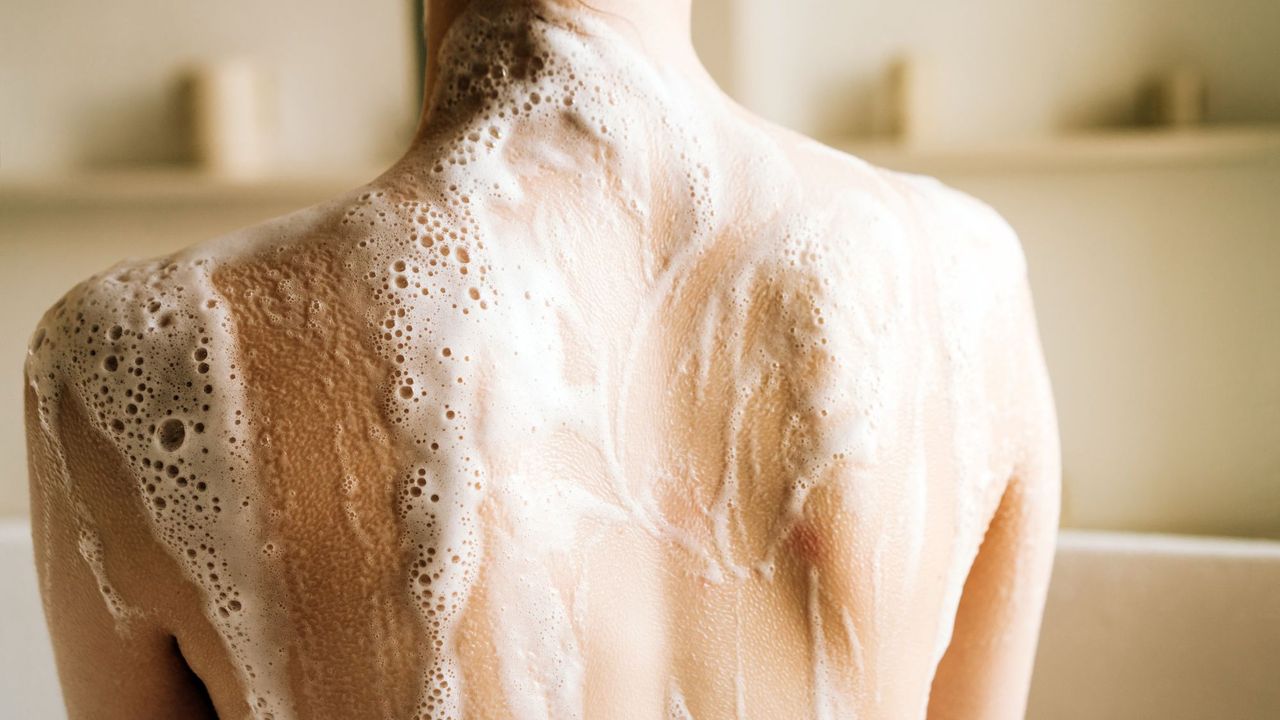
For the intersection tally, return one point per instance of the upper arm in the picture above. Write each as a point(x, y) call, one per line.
point(101, 579)
point(986, 671)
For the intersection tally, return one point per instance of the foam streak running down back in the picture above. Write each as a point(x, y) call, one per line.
point(608, 400)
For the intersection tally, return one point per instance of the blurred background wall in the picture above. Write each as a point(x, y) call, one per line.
point(994, 68)
point(90, 84)
point(1154, 253)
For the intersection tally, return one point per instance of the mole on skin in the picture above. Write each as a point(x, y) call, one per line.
point(608, 400)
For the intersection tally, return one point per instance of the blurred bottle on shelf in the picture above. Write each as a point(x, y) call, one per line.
point(911, 117)
point(1176, 99)
point(226, 108)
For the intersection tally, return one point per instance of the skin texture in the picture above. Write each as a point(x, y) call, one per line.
point(608, 400)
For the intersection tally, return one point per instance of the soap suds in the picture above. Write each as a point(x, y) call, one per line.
point(590, 331)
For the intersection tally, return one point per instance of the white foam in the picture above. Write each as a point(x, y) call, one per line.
point(583, 247)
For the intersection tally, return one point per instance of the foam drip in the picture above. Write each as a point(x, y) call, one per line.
point(149, 350)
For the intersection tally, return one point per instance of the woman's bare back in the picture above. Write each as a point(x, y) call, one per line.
point(607, 401)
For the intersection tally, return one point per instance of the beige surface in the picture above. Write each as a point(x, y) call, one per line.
point(28, 682)
point(1164, 627)
point(1157, 299)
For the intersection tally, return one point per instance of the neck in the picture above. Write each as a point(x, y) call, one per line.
point(660, 29)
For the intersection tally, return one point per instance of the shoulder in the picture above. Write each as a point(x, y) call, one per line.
point(961, 224)
point(119, 344)
point(987, 321)
point(908, 251)
point(145, 341)
point(951, 222)
point(891, 233)
point(147, 303)
point(96, 315)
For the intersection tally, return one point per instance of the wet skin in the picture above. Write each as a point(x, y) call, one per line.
point(608, 400)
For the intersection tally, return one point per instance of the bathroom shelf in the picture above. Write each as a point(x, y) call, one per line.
point(175, 186)
point(1110, 150)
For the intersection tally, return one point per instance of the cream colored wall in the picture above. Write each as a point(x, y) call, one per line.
point(95, 83)
point(1158, 297)
point(995, 68)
